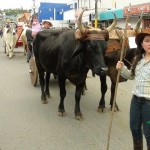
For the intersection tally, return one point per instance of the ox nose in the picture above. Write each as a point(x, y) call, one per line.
point(101, 70)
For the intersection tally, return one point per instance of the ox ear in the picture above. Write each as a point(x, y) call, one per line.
point(77, 50)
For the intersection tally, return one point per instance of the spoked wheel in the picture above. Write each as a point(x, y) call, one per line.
point(33, 71)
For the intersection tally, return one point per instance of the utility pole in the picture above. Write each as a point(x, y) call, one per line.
point(96, 14)
point(33, 6)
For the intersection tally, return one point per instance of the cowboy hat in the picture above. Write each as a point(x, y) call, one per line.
point(47, 21)
point(140, 36)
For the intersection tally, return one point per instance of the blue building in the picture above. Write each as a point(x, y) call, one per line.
point(54, 11)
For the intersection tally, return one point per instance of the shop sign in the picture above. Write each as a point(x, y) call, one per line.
point(138, 9)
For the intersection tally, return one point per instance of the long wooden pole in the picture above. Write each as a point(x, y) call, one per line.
point(117, 81)
point(96, 14)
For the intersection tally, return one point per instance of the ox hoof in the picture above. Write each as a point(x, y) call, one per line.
point(83, 93)
point(116, 109)
point(101, 109)
point(80, 118)
point(48, 95)
point(44, 101)
point(62, 114)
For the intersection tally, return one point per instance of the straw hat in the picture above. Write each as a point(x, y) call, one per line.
point(139, 37)
point(47, 21)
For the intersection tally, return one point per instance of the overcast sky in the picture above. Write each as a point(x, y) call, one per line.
point(26, 4)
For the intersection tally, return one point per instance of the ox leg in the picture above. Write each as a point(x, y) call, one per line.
point(113, 85)
point(47, 84)
point(25, 48)
point(42, 83)
point(78, 114)
point(7, 49)
point(61, 108)
point(84, 88)
point(102, 106)
point(55, 76)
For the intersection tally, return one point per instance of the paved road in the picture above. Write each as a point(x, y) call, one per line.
point(26, 124)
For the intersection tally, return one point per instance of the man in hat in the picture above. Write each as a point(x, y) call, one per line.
point(140, 103)
point(47, 24)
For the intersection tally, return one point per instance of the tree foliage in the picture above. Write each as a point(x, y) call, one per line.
point(15, 12)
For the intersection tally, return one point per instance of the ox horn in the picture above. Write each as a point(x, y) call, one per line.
point(79, 22)
point(112, 26)
point(137, 26)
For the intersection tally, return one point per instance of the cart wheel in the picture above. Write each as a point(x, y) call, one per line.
point(33, 71)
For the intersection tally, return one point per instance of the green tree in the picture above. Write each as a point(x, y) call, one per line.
point(15, 12)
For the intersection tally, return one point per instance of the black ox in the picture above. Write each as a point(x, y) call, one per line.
point(112, 55)
point(70, 54)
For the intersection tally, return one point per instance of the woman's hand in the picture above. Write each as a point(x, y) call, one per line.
point(119, 65)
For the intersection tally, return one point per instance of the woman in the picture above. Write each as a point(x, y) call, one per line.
point(36, 26)
point(31, 33)
point(140, 103)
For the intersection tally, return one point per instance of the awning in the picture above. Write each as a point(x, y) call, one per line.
point(107, 15)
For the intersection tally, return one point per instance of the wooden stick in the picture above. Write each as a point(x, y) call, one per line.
point(117, 81)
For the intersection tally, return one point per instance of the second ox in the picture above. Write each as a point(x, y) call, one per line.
point(70, 54)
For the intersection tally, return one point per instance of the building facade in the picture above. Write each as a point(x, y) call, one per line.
point(57, 12)
point(105, 8)
point(69, 12)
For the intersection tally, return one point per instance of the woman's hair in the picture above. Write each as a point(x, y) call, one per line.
point(138, 56)
point(34, 16)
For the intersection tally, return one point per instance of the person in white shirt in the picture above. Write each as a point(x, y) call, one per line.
point(140, 103)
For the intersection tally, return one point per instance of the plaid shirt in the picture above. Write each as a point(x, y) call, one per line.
point(141, 86)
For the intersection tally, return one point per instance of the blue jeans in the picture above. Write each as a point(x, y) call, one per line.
point(140, 117)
